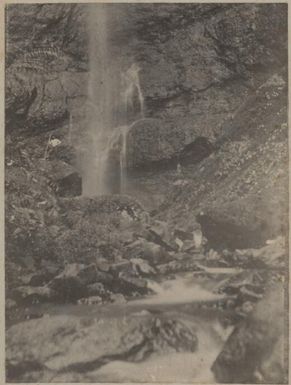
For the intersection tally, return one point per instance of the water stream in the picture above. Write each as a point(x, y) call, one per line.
point(183, 298)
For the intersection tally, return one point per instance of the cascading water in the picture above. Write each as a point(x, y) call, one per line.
point(133, 103)
point(132, 92)
point(102, 95)
point(117, 101)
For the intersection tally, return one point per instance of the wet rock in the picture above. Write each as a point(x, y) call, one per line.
point(122, 266)
point(274, 254)
point(160, 237)
point(189, 246)
point(68, 289)
point(64, 152)
point(142, 267)
point(117, 298)
point(91, 300)
point(127, 283)
point(67, 181)
point(254, 280)
point(44, 349)
point(249, 294)
point(183, 234)
point(253, 341)
point(271, 370)
point(41, 279)
point(72, 283)
point(107, 204)
point(198, 238)
point(104, 278)
point(86, 274)
point(38, 279)
point(178, 266)
point(160, 229)
point(149, 251)
point(102, 264)
point(31, 295)
point(96, 289)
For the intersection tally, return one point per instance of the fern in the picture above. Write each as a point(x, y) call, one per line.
point(39, 60)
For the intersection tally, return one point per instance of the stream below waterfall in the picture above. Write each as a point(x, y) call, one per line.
point(183, 297)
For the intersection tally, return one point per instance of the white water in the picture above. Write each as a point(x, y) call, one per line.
point(116, 100)
point(178, 291)
point(172, 367)
point(132, 91)
point(180, 367)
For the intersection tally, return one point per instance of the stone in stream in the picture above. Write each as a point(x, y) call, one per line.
point(85, 273)
point(78, 280)
point(71, 284)
point(149, 251)
point(104, 278)
point(142, 267)
point(102, 264)
point(48, 349)
point(96, 289)
point(39, 279)
point(31, 294)
point(117, 298)
point(127, 283)
point(178, 266)
point(92, 300)
point(274, 254)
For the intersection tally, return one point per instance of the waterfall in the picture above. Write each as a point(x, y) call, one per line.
point(133, 103)
point(131, 85)
point(116, 101)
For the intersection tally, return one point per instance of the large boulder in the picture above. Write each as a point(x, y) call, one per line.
point(71, 284)
point(65, 179)
point(152, 143)
point(256, 345)
point(149, 251)
point(49, 348)
point(34, 294)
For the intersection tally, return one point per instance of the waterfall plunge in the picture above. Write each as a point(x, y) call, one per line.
point(116, 101)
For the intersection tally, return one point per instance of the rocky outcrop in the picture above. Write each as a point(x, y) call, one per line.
point(239, 193)
point(197, 66)
point(153, 144)
point(255, 348)
point(46, 59)
point(68, 348)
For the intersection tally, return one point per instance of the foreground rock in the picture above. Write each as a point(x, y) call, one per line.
point(50, 348)
point(255, 350)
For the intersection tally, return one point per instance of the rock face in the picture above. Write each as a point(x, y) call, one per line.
point(50, 348)
point(43, 45)
point(239, 193)
point(198, 63)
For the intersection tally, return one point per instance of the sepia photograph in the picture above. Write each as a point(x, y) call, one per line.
point(146, 192)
